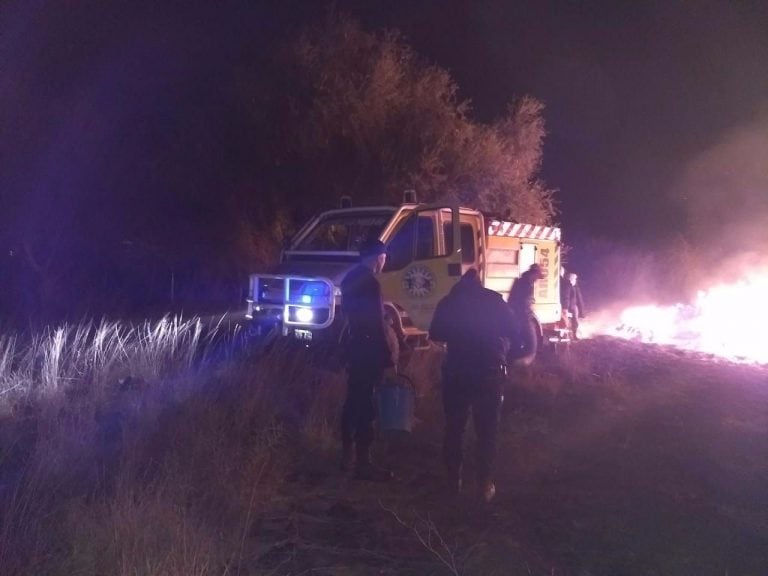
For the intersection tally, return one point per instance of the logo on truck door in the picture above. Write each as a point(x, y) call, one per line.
point(419, 281)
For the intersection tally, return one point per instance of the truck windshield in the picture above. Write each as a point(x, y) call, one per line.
point(343, 232)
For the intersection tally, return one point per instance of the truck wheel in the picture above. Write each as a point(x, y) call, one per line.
point(529, 341)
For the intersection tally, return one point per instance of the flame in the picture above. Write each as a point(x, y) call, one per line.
point(728, 320)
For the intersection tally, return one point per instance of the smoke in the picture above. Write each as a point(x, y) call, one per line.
point(724, 192)
point(721, 258)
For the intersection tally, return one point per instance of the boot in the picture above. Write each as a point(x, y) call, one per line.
point(454, 481)
point(345, 464)
point(486, 493)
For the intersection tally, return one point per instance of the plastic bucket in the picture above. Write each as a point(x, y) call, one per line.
point(396, 400)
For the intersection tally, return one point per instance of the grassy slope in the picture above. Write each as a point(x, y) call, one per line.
point(614, 459)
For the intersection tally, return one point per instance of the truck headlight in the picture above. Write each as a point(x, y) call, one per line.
point(305, 315)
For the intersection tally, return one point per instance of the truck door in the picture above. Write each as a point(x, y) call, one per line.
point(423, 262)
point(471, 241)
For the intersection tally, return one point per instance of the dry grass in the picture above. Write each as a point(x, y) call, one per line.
point(166, 449)
point(102, 453)
point(93, 354)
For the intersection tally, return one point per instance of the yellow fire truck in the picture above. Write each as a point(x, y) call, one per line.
point(429, 247)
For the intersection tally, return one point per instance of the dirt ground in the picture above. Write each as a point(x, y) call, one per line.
point(615, 458)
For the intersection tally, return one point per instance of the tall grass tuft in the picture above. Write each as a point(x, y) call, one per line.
point(92, 353)
point(7, 353)
point(81, 406)
point(148, 449)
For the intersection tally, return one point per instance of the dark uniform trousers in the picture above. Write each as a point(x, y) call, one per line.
point(527, 335)
point(482, 393)
point(575, 313)
point(365, 372)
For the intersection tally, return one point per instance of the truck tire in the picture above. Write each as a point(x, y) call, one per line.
point(523, 352)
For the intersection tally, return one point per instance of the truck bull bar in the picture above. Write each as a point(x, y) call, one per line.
point(295, 301)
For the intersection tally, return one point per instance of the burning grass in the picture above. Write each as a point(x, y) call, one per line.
point(725, 319)
point(167, 449)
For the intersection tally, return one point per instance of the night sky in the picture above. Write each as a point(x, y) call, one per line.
point(635, 93)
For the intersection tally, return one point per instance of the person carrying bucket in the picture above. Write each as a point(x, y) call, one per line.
point(477, 327)
point(368, 357)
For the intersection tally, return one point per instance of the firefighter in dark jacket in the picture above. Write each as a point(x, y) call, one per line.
point(521, 299)
point(574, 304)
point(563, 289)
point(368, 357)
point(477, 326)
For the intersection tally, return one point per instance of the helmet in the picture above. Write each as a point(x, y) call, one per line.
point(537, 270)
point(372, 247)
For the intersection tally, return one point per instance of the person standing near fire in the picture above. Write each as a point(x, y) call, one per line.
point(573, 303)
point(563, 289)
point(477, 327)
point(368, 356)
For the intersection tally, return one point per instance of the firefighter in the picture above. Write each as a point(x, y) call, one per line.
point(477, 327)
point(521, 299)
point(368, 356)
point(564, 320)
point(563, 289)
point(574, 304)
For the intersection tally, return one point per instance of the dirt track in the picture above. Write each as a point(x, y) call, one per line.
point(615, 458)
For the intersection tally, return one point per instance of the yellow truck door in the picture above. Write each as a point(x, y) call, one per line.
point(423, 262)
